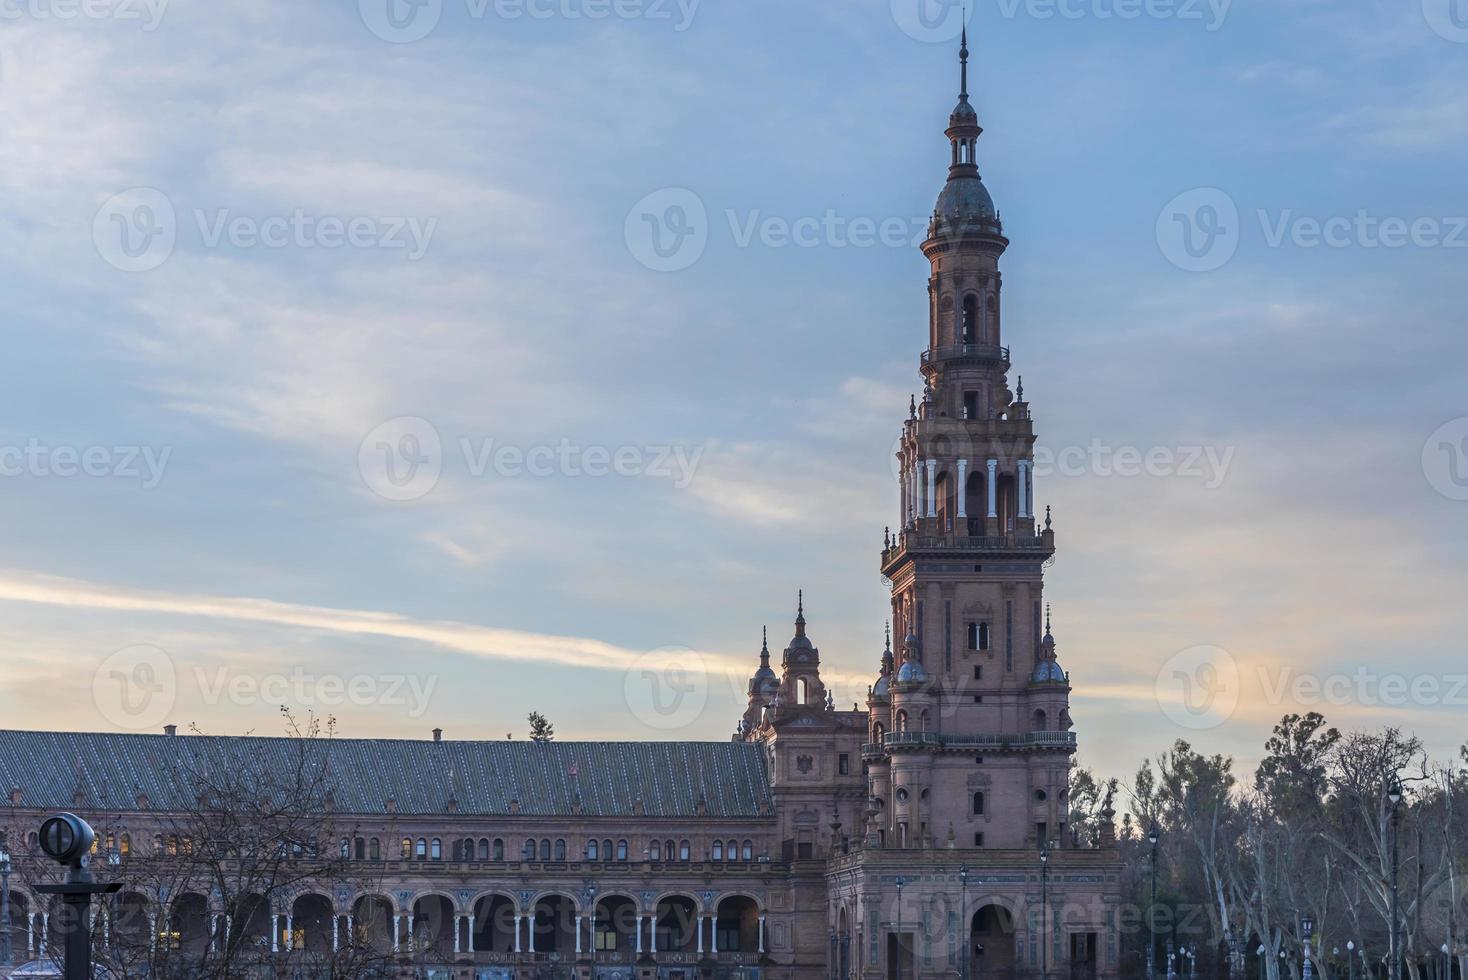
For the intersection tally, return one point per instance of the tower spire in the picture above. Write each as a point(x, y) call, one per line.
point(800, 613)
point(764, 647)
point(963, 64)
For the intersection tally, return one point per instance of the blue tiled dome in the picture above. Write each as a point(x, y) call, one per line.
point(1048, 670)
point(964, 202)
point(911, 673)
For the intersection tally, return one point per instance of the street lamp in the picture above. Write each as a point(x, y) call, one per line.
point(591, 897)
point(4, 907)
point(1307, 930)
point(963, 921)
point(1044, 878)
point(1394, 796)
point(1351, 956)
point(897, 966)
point(1153, 836)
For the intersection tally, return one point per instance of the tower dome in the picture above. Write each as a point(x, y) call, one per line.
point(964, 204)
point(764, 680)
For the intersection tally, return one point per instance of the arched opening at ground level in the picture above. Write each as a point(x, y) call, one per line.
point(433, 926)
point(553, 925)
point(736, 925)
point(372, 923)
point(494, 924)
point(615, 925)
point(675, 924)
point(311, 925)
point(992, 944)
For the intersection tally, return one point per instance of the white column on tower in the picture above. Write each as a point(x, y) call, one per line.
point(1024, 487)
point(993, 487)
point(932, 488)
point(517, 932)
point(963, 488)
point(1030, 504)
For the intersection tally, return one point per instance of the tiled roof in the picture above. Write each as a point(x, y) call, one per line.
point(607, 778)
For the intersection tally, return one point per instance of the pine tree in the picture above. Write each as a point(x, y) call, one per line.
point(541, 730)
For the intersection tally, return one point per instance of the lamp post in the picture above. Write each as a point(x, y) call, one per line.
point(1153, 836)
point(1307, 931)
point(1447, 961)
point(4, 907)
point(963, 921)
point(1044, 930)
point(1351, 956)
point(1394, 797)
point(591, 897)
point(897, 966)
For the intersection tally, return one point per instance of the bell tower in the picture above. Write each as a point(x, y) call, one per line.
point(978, 679)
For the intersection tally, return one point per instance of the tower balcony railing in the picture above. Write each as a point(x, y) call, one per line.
point(965, 741)
point(978, 352)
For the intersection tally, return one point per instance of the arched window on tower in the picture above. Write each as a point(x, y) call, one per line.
point(970, 319)
point(560, 850)
point(902, 721)
point(801, 691)
point(1040, 719)
point(545, 849)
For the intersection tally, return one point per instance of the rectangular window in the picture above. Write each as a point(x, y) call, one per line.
point(970, 404)
point(978, 840)
point(843, 764)
point(978, 699)
point(1040, 829)
point(978, 636)
point(805, 850)
point(978, 672)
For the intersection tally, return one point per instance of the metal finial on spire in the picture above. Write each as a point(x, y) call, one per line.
point(963, 58)
point(1020, 393)
point(887, 634)
point(764, 647)
point(1047, 618)
point(800, 613)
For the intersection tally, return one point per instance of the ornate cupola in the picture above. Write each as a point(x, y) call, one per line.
point(965, 204)
point(800, 680)
point(763, 687)
point(880, 690)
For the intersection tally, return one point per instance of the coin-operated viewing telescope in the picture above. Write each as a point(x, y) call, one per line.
point(68, 839)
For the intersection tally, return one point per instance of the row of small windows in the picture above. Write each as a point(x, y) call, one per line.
point(543, 849)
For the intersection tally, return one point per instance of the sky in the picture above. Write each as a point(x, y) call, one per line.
point(420, 363)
